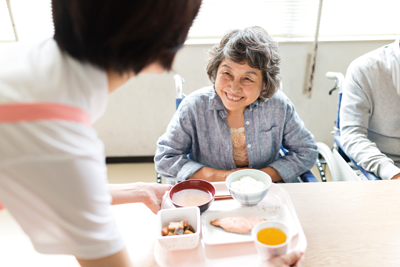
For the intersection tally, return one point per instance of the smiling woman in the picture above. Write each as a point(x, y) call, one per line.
point(239, 122)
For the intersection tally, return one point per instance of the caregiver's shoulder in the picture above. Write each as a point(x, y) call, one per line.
point(21, 56)
point(25, 48)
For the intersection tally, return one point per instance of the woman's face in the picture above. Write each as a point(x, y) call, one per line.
point(238, 85)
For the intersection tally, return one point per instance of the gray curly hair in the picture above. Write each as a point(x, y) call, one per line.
point(253, 46)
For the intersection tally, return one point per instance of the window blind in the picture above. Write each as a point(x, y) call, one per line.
point(344, 19)
point(349, 18)
point(280, 18)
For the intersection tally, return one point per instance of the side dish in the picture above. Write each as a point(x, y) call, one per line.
point(177, 228)
point(240, 225)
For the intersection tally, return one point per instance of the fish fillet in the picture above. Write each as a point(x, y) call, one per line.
point(239, 225)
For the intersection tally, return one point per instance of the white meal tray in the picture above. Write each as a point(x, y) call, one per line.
point(220, 248)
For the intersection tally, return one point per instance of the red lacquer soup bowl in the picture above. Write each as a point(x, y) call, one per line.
point(205, 188)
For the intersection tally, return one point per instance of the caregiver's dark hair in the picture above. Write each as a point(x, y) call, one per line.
point(123, 35)
point(253, 46)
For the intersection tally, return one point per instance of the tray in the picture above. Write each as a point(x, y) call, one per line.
point(232, 254)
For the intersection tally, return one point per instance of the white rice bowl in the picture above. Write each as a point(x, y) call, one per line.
point(247, 185)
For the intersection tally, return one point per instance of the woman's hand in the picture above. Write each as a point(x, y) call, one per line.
point(293, 259)
point(150, 194)
point(211, 174)
point(272, 173)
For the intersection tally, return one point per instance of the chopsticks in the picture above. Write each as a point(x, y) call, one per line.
point(223, 197)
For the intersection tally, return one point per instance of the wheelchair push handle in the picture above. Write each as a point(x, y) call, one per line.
point(338, 77)
point(178, 86)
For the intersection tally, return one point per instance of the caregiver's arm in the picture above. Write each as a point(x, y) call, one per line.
point(119, 259)
point(150, 194)
point(302, 148)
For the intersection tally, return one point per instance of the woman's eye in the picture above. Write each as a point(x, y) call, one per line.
point(227, 73)
point(247, 79)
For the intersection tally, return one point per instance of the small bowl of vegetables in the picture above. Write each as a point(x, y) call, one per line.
point(179, 229)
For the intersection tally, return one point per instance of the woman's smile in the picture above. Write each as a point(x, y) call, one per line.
point(233, 97)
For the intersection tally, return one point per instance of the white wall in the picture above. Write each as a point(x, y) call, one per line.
point(139, 112)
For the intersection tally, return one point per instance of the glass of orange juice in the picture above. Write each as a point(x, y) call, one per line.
point(271, 239)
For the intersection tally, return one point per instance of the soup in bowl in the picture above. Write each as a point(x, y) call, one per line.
point(271, 239)
point(193, 193)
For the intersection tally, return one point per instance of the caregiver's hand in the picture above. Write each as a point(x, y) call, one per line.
point(150, 194)
point(294, 259)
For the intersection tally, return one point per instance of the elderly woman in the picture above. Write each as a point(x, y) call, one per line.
point(240, 121)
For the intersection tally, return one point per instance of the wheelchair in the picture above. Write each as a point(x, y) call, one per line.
point(306, 177)
point(341, 166)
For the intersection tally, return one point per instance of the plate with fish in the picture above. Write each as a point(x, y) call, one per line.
point(235, 225)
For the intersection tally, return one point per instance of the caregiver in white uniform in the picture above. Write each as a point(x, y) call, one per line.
point(53, 177)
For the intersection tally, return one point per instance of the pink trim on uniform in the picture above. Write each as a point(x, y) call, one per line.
point(19, 112)
point(22, 112)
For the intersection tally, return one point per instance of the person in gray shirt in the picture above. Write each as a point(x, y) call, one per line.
point(238, 122)
point(370, 112)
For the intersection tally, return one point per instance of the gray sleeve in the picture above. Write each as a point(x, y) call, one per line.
point(173, 147)
point(355, 113)
point(303, 151)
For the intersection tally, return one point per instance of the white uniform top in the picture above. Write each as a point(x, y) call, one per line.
point(53, 177)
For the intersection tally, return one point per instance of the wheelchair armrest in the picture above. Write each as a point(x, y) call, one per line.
point(370, 176)
point(308, 177)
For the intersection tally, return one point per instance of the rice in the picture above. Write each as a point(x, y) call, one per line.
point(247, 185)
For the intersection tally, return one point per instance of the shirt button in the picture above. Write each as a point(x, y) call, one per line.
point(248, 145)
point(247, 122)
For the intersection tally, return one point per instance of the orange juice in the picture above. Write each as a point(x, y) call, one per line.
point(271, 236)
